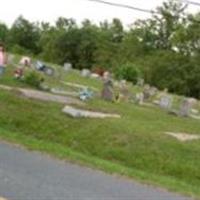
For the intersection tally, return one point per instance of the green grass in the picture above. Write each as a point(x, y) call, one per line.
point(134, 145)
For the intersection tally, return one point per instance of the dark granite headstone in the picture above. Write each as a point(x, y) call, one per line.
point(107, 92)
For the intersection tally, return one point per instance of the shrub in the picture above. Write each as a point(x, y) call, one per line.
point(128, 72)
point(33, 79)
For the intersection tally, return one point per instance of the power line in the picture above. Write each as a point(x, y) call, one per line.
point(141, 9)
point(192, 2)
point(124, 6)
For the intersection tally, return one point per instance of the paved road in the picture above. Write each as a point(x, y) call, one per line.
point(28, 175)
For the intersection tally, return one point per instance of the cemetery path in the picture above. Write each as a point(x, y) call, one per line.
point(28, 175)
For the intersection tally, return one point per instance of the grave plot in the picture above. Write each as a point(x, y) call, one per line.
point(80, 113)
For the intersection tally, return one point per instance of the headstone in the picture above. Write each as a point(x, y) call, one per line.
point(95, 76)
point(166, 102)
point(146, 92)
point(139, 98)
point(67, 67)
point(124, 91)
point(25, 61)
point(140, 82)
point(49, 71)
point(107, 92)
point(153, 91)
point(85, 73)
point(186, 107)
point(11, 59)
point(106, 75)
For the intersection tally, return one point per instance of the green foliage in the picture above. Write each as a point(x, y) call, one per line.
point(17, 49)
point(165, 46)
point(33, 79)
point(24, 34)
point(128, 72)
point(3, 32)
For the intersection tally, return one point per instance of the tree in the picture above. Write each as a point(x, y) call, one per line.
point(25, 34)
point(3, 32)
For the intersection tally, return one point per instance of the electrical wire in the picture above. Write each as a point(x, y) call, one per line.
point(124, 6)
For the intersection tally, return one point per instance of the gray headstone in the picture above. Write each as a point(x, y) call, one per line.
point(139, 98)
point(107, 92)
point(67, 67)
point(11, 58)
point(124, 90)
point(85, 73)
point(186, 107)
point(166, 102)
point(140, 82)
point(153, 91)
point(146, 92)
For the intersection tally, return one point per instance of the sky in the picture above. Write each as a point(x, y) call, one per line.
point(50, 10)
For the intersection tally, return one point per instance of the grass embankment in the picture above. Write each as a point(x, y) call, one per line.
point(134, 145)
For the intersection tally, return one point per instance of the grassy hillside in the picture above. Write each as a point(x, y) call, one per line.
point(134, 145)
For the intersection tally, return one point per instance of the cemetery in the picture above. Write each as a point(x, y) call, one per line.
point(133, 127)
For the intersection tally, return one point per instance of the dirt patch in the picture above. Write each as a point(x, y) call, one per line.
point(183, 137)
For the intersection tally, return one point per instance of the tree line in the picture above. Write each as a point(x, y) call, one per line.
point(164, 49)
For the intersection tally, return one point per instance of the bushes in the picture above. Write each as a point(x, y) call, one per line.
point(128, 72)
point(33, 79)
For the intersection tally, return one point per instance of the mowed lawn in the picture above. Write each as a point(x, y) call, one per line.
point(136, 144)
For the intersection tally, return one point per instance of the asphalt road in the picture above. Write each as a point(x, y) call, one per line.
point(28, 175)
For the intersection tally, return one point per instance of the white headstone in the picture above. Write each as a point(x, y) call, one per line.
point(26, 61)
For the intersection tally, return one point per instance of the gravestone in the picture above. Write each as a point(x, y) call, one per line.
point(139, 98)
point(95, 76)
point(186, 107)
point(140, 82)
point(106, 75)
point(146, 92)
point(153, 91)
point(107, 92)
point(124, 91)
point(25, 61)
point(85, 73)
point(166, 102)
point(67, 67)
point(11, 59)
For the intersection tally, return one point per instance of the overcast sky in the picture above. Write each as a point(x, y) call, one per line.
point(50, 10)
